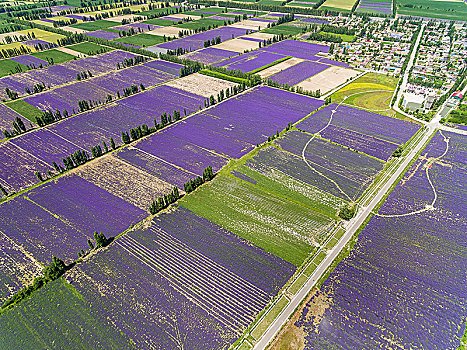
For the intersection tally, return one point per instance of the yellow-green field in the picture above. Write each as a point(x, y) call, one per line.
point(337, 5)
point(372, 92)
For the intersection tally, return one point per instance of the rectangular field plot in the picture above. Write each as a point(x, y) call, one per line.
point(59, 74)
point(210, 55)
point(336, 5)
point(299, 49)
point(328, 79)
point(350, 173)
point(45, 145)
point(196, 41)
point(86, 207)
point(180, 153)
point(18, 167)
point(58, 309)
point(298, 73)
point(164, 66)
point(256, 114)
point(269, 178)
point(201, 84)
point(281, 227)
point(454, 10)
point(250, 61)
point(206, 287)
point(39, 232)
point(125, 181)
point(7, 117)
point(91, 128)
point(356, 120)
point(96, 89)
point(16, 268)
point(403, 282)
point(155, 166)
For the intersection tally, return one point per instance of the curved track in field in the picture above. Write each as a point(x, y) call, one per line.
point(435, 194)
point(321, 130)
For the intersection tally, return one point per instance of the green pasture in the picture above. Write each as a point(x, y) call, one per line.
point(90, 48)
point(345, 37)
point(452, 10)
point(259, 216)
point(213, 9)
point(57, 317)
point(141, 40)
point(8, 66)
point(270, 2)
point(283, 29)
point(160, 22)
point(95, 25)
point(203, 22)
point(57, 56)
point(25, 109)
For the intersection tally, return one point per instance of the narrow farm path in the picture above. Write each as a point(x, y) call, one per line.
point(435, 194)
point(320, 131)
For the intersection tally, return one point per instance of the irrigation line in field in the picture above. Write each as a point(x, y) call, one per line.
point(435, 194)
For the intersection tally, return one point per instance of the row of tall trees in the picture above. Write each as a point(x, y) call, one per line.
point(164, 201)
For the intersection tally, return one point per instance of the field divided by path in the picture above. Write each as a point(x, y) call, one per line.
point(403, 281)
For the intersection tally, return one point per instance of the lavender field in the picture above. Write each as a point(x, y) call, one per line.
point(339, 170)
point(403, 282)
point(371, 133)
point(59, 74)
point(298, 73)
point(207, 282)
point(250, 61)
point(299, 49)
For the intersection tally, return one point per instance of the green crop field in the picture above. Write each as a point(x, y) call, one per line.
point(283, 29)
point(160, 22)
point(89, 48)
point(25, 109)
point(345, 37)
point(141, 40)
point(213, 9)
point(204, 22)
point(270, 2)
point(165, 10)
point(338, 5)
point(8, 66)
point(295, 4)
point(57, 317)
point(372, 92)
point(452, 10)
point(279, 225)
point(95, 25)
point(57, 56)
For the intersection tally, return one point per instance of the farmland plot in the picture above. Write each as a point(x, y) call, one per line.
point(96, 89)
point(39, 232)
point(164, 66)
point(196, 41)
point(180, 153)
point(210, 55)
point(281, 227)
point(45, 145)
point(363, 122)
point(349, 172)
point(7, 117)
point(59, 74)
point(125, 181)
point(17, 167)
point(298, 73)
point(250, 61)
point(299, 49)
point(328, 79)
point(403, 283)
point(195, 284)
point(85, 206)
point(256, 114)
point(58, 309)
point(17, 268)
point(155, 166)
point(201, 84)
